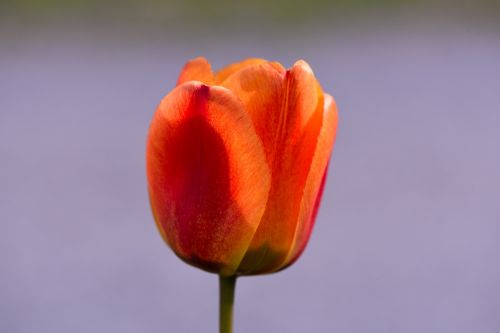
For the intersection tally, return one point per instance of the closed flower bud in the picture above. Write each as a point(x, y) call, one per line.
point(236, 164)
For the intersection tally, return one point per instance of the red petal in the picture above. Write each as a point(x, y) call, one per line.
point(208, 178)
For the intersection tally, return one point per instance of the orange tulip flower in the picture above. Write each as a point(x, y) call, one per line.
point(236, 163)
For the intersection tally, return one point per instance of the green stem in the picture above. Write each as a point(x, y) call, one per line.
point(226, 301)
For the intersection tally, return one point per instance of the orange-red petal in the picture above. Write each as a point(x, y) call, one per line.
point(262, 90)
point(287, 111)
point(227, 71)
point(198, 69)
point(313, 189)
point(207, 174)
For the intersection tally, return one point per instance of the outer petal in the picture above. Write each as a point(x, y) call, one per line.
point(197, 69)
point(313, 190)
point(287, 111)
point(207, 175)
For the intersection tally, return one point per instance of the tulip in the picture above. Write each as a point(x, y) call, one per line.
point(236, 165)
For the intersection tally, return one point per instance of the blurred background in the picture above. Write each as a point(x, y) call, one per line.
point(408, 235)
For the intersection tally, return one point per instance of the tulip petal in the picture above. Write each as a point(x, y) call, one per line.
point(227, 71)
point(313, 190)
point(197, 69)
point(208, 177)
point(287, 111)
point(262, 90)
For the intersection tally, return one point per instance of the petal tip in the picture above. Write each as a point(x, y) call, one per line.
point(302, 65)
point(329, 101)
point(196, 69)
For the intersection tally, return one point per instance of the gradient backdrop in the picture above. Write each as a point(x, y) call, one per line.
point(408, 236)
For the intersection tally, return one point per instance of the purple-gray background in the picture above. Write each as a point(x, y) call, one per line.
point(408, 236)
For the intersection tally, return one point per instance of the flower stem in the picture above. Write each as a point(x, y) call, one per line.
point(226, 301)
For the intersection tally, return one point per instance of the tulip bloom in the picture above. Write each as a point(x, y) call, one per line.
point(236, 164)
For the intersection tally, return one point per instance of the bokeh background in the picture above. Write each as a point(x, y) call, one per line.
point(408, 236)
